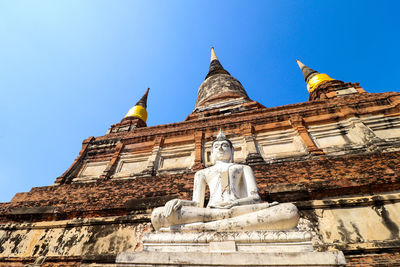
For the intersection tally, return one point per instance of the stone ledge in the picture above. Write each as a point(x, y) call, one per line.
point(127, 219)
point(147, 203)
point(350, 201)
point(35, 210)
point(266, 236)
point(335, 258)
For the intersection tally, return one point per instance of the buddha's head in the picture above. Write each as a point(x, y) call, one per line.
point(222, 149)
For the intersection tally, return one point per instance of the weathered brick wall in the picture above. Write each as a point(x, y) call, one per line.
point(316, 178)
point(323, 177)
point(49, 262)
point(71, 241)
point(301, 181)
point(313, 177)
point(383, 259)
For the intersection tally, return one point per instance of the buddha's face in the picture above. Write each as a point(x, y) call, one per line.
point(222, 151)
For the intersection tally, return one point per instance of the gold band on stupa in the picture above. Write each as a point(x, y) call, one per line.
point(137, 111)
point(317, 80)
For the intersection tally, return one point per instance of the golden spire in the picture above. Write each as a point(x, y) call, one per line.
point(139, 110)
point(312, 77)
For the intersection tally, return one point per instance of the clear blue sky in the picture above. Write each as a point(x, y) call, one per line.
point(70, 69)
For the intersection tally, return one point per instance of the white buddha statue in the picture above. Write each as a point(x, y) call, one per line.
point(234, 202)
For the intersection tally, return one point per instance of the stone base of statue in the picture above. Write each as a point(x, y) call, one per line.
point(247, 248)
point(246, 241)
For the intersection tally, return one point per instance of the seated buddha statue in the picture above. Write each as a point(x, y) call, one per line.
point(234, 202)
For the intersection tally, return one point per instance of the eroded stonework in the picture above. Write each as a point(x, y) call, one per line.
point(72, 238)
point(219, 84)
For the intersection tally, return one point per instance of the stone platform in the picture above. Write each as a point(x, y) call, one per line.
point(246, 241)
point(248, 248)
point(231, 259)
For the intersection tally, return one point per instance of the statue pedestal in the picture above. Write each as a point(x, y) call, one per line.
point(246, 241)
point(248, 248)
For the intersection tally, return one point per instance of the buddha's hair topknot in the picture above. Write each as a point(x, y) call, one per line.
point(222, 137)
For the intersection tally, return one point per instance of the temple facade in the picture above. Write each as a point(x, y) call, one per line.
point(336, 157)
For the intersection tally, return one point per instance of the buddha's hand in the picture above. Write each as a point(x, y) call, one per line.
point(273, 203)
point(226, 205)
point(172, 206)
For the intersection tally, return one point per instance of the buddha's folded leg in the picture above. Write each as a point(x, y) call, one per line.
point(186, 215)
point(250, 208)
point(278, 217)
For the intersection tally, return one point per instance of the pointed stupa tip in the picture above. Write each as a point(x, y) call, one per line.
point(143, 101)
point(312, 77)
point(213, 55)
point(301, 65)
point(215, 65)
point(308, 73)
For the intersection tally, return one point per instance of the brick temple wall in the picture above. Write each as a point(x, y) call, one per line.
point(337, 159)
